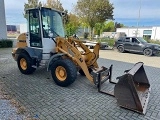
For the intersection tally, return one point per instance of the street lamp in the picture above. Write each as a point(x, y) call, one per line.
point(139, 12)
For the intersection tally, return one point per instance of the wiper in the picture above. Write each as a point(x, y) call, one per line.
point(55, 34)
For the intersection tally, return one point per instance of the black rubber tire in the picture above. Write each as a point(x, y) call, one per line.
point(91, 47)
point(148, 52)
point(121, 49)
point(82, 73)
point(71, 71)
point(29, 69)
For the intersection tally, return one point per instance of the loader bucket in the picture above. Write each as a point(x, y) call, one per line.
point(133, 89)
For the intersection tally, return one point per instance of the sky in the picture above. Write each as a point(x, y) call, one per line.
point(127, 12)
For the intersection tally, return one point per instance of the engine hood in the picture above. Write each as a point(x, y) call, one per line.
point(151, 45)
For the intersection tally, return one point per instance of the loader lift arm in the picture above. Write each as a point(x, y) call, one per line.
point(83, 60)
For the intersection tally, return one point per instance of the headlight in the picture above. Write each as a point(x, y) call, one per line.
point(157, 47)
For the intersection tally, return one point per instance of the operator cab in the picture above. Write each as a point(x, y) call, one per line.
point(44, 25)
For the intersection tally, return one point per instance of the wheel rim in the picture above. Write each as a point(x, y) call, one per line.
point(120, 49)
point(23, 64)
point(147, 52)
point(61, 73)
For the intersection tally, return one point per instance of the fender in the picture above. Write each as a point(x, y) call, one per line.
point(120, 45)
point(33, 53)
point(54, 58)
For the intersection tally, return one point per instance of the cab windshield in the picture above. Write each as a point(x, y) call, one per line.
point(52, 23)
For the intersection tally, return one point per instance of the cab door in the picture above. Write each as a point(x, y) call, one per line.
point(128, 44)
point(34, 34)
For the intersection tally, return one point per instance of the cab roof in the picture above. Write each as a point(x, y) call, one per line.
point(39, 8)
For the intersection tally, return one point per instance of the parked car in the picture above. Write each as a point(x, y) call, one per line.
point(91, 44)
point(136, 44)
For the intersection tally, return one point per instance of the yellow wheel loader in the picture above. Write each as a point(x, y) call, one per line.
point(45, 44)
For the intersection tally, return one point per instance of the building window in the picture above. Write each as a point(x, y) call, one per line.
point(147, 32)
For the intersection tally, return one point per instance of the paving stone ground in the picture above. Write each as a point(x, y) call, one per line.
point(8, 112)
point(47, 101)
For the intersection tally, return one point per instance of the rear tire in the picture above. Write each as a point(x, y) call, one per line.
point(147, 52)
point(121, 49)
point(63, 72)
point(25, 64)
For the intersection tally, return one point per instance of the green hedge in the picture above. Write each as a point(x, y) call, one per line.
point(154, 41)
point(5, 43)
point(108, 40)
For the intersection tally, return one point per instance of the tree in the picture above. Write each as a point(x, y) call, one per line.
point(36, 3)
point(31, 4)
point(72, 25)
point(109, 27)
point(56, 4)
point(99, 28)
point(94, 11)
point(118, 25)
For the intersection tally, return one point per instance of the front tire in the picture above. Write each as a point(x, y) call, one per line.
point(25, 64)
point(91, 47)
point(63, 72)
point(147, 52)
